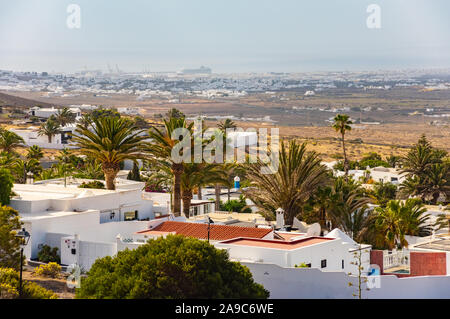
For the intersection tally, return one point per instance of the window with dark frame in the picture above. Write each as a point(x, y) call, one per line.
point(342, 263)
point(323, 263)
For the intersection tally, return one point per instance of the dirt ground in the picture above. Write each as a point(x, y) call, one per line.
point(57, 285)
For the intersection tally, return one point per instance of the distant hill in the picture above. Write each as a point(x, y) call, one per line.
point(11, 100)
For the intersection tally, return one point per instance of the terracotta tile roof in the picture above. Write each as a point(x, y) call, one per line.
point(198, 230)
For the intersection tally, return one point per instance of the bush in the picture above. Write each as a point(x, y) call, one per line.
point(51, 270)
point(9, 243)
point(93, 184)
point(6, 185)
point(9, 287)
point(172, 267)
point(238, 206)
point(48, 254)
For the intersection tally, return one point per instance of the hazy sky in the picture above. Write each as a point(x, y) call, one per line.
point(226, 35)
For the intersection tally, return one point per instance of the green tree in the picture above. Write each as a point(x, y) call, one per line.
point(198, 174)
point(65, 116)
point(384, 192)
point(9, 287)
point(175, 113)
point(134, 174)
point(342, 124)
point(35, 152)
point(397, 219)
point(163, 143)
point(101, 112)
point(173, 267)
point(299, 175)
point(348, 210)
point(23, 167)
point(427, 172)
point(110, 141)
point(6, 185)
point(9, 243)
point(50, 128)
point(9, 141)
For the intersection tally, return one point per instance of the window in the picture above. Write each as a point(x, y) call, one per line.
point(308, 265)
point(342, 263)
point(323, 263)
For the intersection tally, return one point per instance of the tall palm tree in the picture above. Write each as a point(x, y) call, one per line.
point(298, 177)
point(161, 147)
point(9, 141)
point(197, 174)
point(111, 140)
point(223, 126)
point(50, 128)
point(342, 124)
point(35, 152)
point(64, 116)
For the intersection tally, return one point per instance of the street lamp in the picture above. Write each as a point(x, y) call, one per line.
point(24, 238)
point(209, 225)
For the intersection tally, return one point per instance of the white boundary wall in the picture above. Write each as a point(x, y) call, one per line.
point(304, 283)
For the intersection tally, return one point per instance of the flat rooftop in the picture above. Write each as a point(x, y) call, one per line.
point(443, 244)
point(275, 244)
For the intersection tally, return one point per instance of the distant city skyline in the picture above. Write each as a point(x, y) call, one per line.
point(227, 36)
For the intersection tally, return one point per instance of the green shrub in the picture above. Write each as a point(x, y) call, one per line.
point(172, 267)
point(9, 287)
point(93, 184)
point(48, 254)
point(234, 205)
point(51, 270)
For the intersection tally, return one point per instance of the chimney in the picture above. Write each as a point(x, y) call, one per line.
point(280, 217)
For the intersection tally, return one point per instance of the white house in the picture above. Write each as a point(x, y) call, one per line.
point(47, 112)
point(58, 141)
point(49, 211)
point(335, 252)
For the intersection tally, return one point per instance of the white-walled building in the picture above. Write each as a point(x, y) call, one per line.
point(49, 210)
point(59, 141)
point(47, 112)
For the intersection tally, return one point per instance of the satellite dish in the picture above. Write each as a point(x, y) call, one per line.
point(313, 230)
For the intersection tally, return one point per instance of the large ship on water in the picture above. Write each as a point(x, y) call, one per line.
point(200, 70)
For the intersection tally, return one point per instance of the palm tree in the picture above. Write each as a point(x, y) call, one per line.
point(342, 124)
point(22, 167)
point(85, 121)
point(223, 126)
point(348, 210)
point(110, 141)
point(49, 129)
point(228, 123)
point(427, 175)
point(398, 219)
point(35, 152)
point(197, 174)
point(64, 116)
point(298, 177)
point(161, 147)
point(436, 182)
point(9, 141)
